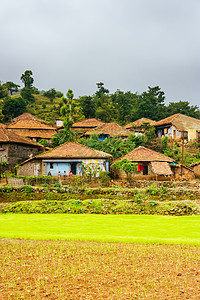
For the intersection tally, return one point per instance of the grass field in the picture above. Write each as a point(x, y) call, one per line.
point(88, 227)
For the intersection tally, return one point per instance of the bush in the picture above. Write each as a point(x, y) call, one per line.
point(138, 198)
point(104, 178)
point(27, 189)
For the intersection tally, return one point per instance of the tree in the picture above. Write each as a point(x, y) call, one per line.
point(50, 94)
point(35, 90)
point(70, 97)
point(27, 79)
point(183, 107)
point(150, 104)
point(26, 94)
point(87, 106)
point(65, 135)
point(59, 94)
point(3, 91)
point(101, 90)
point(13, 107)
point(125, 104)
point(12, 87)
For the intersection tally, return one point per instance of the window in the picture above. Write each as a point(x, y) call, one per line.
point(51, 165)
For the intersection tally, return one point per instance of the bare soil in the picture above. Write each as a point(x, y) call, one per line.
point(95, 270)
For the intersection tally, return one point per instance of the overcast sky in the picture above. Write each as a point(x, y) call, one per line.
point(127, 44)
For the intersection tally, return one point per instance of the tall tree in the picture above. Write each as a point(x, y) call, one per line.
point(27, 79)
point(12, 87)
point(150, 104)
point(125, 104)
point(70, 97)
point(87, 105)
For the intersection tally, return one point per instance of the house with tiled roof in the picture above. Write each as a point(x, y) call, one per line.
point(86, 124)
point(179, 126)
point(109, 130)
point(14, 148)
point(152, 164)
point(138, 126)
point(63, 159)
point(29, 126)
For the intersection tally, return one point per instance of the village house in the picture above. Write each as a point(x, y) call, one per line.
point(138, 126)
point(179, 126)
point(154, 165)
point(15, 149)
point(29, 126)
point(85, 125)
point(109, 130)
point(63, 159)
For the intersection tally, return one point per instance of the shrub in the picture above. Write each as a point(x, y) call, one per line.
point(104, 178)
point(27, 189)
point(138, 198)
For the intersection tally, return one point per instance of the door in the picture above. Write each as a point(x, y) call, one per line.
point(74, 167)
point(145, 170)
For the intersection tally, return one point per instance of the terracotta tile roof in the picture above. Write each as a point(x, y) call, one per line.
point(111, 129)
point(74, 150)
point(88, 123)
point(144, 154)
point(7, 136)
point(34, 133)
point(181, 122)
point(28, 121)
point(161, 168)
point(2, 125)
point(27, 116)
point(139, 123)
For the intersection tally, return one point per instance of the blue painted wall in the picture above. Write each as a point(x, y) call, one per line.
point(62, 166)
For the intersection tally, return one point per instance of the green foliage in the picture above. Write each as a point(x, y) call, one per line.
point(151, 104)
point(183, 107)
point(50, 94)
point(12, 87)
point(125, 165)
point(43, 142)
point(138, 198)
point(63, 136)
point(70, 94)
point(44, 105)
point(27, 189)
point(59, 94)
point(13, 107)
point(3, 168)
point(88, 106)
point(27, 79)
point(35, 180)
point(26, 94)
point(104, 178)
point(35, 90)
point(3, 91)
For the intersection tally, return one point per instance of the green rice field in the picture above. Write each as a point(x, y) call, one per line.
point(109, 228)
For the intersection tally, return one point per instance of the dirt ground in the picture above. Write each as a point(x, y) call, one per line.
point(95, 270)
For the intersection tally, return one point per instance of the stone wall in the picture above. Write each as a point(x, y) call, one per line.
point(20, 152)
point(15, 181)
point(4, 152)
point(31, 168)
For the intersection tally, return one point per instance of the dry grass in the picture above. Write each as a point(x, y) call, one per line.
point(96, 270)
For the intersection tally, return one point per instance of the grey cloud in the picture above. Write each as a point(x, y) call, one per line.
point(127, 44)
